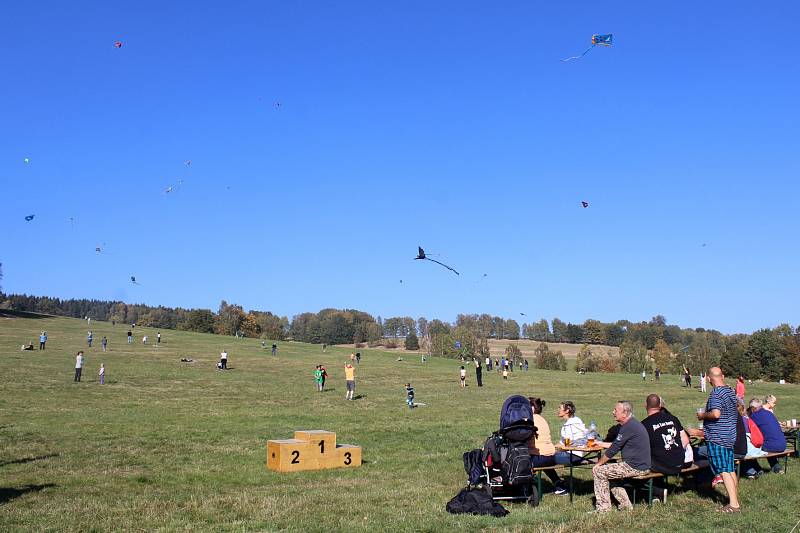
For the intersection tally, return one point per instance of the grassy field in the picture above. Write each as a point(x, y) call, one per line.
point(171, 446)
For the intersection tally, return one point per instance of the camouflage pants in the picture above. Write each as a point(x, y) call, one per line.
point(609, 471)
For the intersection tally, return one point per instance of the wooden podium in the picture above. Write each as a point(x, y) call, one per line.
point(312, 449)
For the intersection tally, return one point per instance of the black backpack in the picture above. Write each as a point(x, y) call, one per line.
point(475, 501)
point(511, 457)
point(473, 465)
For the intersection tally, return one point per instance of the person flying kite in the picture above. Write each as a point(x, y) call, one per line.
point(597, 40)
point(422, 255)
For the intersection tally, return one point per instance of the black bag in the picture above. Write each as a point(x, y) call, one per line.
point(512, 459)
point(516, 466)
point(475, 501)
point(473, 465)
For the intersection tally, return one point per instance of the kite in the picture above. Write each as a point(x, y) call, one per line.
point(168, 190)
point(188, 162)
point(481, 279)
point(523, 314)
point(117, 44)
point(29, 218)
point(585, 204)
point(422, 255)
point(98, 249)
point(133, 280)
point(278, 105)
point(597, 40)
point(27, 160)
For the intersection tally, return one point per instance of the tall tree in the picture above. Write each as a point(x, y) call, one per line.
point(511, 329)
point(559, 330)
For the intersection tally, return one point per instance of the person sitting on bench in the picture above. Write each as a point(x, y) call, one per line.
point(668, 443)
point(774, 440)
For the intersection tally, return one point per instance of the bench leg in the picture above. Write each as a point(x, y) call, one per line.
point(539, 484)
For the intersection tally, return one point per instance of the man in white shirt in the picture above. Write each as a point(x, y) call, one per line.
point(223, 359)
point(78, 366)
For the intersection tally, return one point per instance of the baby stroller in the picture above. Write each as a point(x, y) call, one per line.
point(506, 459)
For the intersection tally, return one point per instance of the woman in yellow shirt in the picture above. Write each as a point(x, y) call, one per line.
point(541, 446)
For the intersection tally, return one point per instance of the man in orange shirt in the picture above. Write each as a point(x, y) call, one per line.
point(350, 376)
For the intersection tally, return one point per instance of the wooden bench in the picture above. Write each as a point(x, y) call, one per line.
point(785, 454)
point(648, 480)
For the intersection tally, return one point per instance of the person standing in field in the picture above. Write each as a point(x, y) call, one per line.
point(478, 374)
point(130, 336)
point(410, 395)
point(102, 374)
point(644, 375)
point(720, 419)
point(223, 359)
point(274, 349)
point(104, 343)
point(144, 339)
point(740, 391)
point(350, 378)
point(318, 377)
point(42, 340)
point(89, 338)
point(324, 375)
point(463, 375)
point(158, 338)
point(702, 381)
point(78, 366)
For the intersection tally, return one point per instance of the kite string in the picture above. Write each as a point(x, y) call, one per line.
point(578, 57)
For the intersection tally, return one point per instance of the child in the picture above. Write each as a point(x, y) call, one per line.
point(505, 373)
point(102, 374)
point(324, 375)
point(410, 395)
point(318, 377)
point(463, 373)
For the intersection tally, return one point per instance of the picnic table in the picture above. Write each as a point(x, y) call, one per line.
point(590, 455)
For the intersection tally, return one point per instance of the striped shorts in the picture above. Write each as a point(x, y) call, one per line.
point(721, 458)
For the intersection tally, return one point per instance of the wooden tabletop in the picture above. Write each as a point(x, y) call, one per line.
point(578, 448)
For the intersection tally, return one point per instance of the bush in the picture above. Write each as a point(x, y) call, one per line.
point(360, 345)
point(390, 343)
point(549, 360)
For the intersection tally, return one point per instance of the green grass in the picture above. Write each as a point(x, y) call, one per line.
point(167, 446)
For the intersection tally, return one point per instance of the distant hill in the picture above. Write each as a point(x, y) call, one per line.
point(526, 346)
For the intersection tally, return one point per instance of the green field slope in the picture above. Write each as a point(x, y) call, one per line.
point(171, 446)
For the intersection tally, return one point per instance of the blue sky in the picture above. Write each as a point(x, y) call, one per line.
point(453, 126)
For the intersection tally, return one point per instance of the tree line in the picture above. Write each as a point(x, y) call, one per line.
point(643, 346)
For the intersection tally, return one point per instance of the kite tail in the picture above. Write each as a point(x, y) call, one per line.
point(577, 57)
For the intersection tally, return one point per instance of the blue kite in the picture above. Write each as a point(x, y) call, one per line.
point(597, 40)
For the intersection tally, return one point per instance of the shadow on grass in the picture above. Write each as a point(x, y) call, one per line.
point(10, 493)
point(360, 396)
point(28, 459)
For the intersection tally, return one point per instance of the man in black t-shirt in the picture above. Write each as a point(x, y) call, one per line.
point(668, 442)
